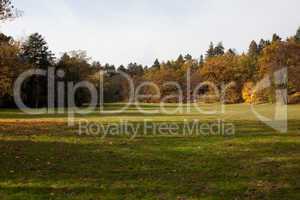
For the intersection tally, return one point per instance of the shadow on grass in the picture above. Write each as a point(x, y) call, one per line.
point(155, 167)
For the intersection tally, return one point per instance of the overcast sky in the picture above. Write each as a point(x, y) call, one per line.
point(123, 31)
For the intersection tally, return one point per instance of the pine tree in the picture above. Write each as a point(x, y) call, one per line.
point(37, 52)
point(38, 55)
point(201, 61)
point(156, 64)
point(253, 49)
point(219, 49)
point(262, 44)
point(180, 60)
point(211, 50)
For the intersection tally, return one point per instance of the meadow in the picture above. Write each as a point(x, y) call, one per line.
point(41, 157)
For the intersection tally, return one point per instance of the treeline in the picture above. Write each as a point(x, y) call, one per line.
point(218, 66)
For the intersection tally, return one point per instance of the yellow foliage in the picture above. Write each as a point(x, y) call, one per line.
point(247, 92)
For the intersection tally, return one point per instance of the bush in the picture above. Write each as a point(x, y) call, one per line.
point(247, 92)
point(232, 95)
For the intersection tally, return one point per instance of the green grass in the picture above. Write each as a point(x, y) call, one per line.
point(42, 158)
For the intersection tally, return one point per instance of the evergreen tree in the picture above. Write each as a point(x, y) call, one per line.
point(219, 49)
point(276, 38)
point(121, 68)
point(135, 69)
point(156, 64)
point(263, 44)
point(253, 49)
point(211, 50)
point(201, 61)
point(37, 54)
point(180, 60)
point(188, 57)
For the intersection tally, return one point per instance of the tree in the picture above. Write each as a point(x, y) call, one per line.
point(5, 39)
point(262, 44)
point(297, 36)
point(211, 50)
point(156, 64)
point(134, 69)
point(222, 70)
point(201, 61)
point(179, 61)
point(276, 38)
point(277, 56)
point(11, 66)
point(219, 49)
point(121, 68)
point(76, 69)
point(253, 49)
point(36, 52)
point(188, 57)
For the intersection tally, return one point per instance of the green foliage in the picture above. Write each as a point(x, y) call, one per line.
point(36, 52)
point(211, 51)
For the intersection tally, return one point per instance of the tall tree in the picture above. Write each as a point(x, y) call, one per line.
point(76, 68)
point(253, 49)
point(156, 64)
point(179, 61)
point(37, 54)
point(10, 67)
point(201, 61)
point(262, 44)
point(219, 49)
point(211, 50)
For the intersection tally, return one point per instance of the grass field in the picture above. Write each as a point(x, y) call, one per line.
point(42, 158)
